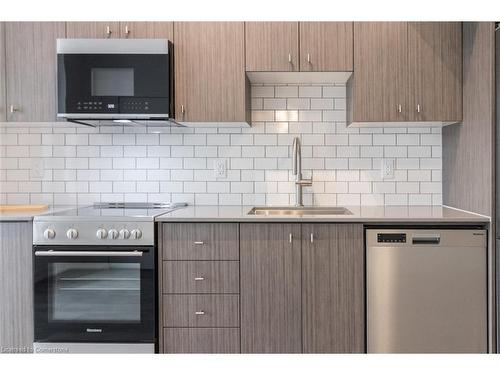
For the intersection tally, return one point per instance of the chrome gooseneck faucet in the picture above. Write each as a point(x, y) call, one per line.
point(297, 172)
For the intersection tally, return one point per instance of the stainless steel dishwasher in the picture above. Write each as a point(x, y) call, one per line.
point(426, 291)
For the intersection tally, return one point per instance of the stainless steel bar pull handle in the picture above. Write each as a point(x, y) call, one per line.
point(199, 242)
point(200, 312)
point(290, 238)
point(53, 253)
point(290, 58)
point(400, 108)
point(127, 31)
point(418, 108)
point(308, 58)
point(312, 237)
point(199, 278)
point(108, 31)
point(431, 239)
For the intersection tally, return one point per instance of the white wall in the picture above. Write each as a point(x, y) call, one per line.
point(83, 165)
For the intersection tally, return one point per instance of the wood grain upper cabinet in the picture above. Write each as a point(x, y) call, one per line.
point(435, 71)
point(93, 30)
point(3, 106)
point(30, 51)
point(406, 72)
point(16, 288)
point(210, 82)
point(272, 46)
point(377, 91)
point(153, 30)
point(326, 46)
point(270, 288)
point(333, 288)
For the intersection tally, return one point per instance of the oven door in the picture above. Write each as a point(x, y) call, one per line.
point(94, 294)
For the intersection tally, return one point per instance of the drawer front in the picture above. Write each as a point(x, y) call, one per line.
point(201, 277)
point(201, 310)
point(200, 241)
point(201, 340)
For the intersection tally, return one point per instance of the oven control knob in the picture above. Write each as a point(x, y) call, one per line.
point(125, 234)
point(101, 234)
point(136, 234)
point(72, 234)
point(49, 234)
point(113, 234)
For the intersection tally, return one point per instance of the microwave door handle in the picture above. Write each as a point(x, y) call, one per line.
point(52, 253)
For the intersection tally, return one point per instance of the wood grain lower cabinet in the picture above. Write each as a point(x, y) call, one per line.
point(201, 277)
point(201, 310)
point(200, 241)
point(199, 288)
point(16, 288)
point(30, 51)
point(201, 340)
point(333, 288)
point(270, 288)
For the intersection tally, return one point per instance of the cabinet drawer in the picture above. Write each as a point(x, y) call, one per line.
point(200, 241)
point(201, 340)
point(201, 310)
point(201, 277)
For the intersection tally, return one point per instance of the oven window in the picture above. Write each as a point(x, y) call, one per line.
point(107, 292)
point(112, 82)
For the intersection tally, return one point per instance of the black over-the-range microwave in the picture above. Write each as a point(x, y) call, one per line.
point(117, 80)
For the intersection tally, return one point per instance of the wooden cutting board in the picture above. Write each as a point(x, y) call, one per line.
point(23, 207)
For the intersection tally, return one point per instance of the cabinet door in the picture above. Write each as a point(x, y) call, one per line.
point(435, 71)
point(210, 82)
point(16, 288)
point(272, 46)
point(153, 30)
point(333, 288)
point(3, 106)
point(93, 29)
point(30, 50)
point(326, 46)
point(380, 79)
point(270, 288)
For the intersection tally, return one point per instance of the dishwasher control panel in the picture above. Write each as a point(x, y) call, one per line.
point(391, 237)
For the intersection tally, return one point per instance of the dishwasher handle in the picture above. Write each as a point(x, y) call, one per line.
point(427, 239)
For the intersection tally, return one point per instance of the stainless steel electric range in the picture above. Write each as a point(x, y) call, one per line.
point(95, 279)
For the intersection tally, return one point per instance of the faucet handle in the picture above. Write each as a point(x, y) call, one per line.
point(304, 182)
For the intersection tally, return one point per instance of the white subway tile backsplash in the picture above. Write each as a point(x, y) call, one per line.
point(109, 163)
point(263, 92)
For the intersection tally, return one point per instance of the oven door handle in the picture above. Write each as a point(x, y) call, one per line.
point(55, 253)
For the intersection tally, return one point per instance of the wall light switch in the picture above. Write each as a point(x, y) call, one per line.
point(220, 168)
point(387, 169)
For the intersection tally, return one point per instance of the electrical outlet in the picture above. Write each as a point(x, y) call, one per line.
point(387, 169)
point(220, 168)
point(37, 168)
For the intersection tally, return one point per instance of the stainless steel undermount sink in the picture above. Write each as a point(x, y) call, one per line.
point(298, 211)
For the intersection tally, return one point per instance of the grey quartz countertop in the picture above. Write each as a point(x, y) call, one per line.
point(360, 214)
point(27, 215)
